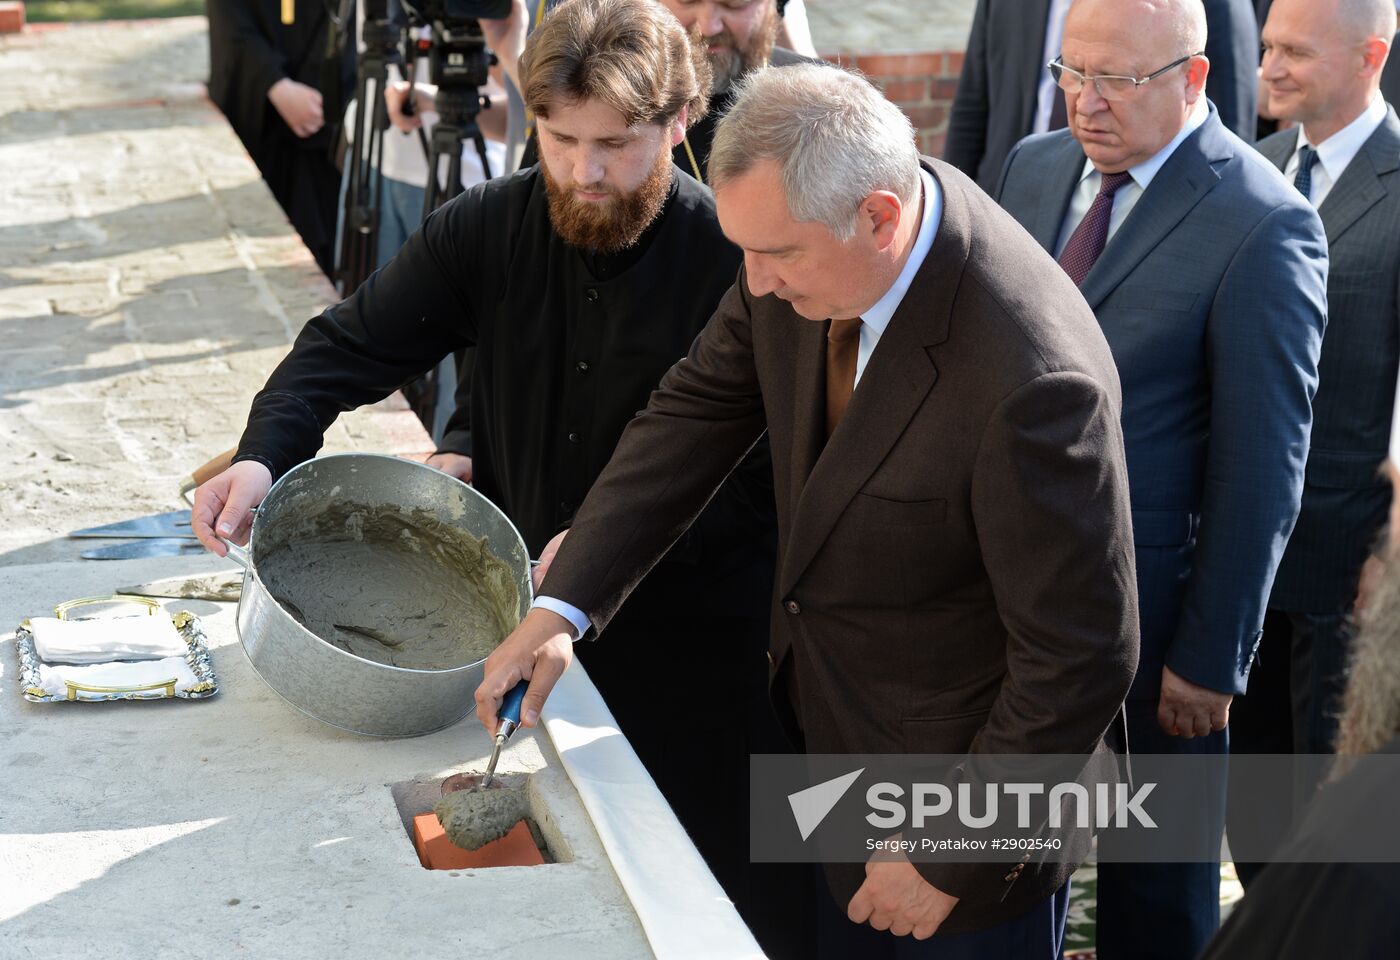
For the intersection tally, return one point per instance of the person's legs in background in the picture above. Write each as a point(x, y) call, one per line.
point(1162, 911)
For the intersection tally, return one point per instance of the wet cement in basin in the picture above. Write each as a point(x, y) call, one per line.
point(393, 586)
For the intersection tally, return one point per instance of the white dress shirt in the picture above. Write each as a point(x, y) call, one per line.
point(1337, 151)
point(1128, 195)
point(876, 319)
point(1049, 89)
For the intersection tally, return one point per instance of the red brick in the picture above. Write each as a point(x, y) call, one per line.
point(11, 16)
point(906, 90)
point(953, 64)
point(436, 852)
point(944, 88)
point(934, 143)
point(899, 64)
point(926, 118)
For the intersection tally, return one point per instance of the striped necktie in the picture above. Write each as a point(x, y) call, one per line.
point(1307, 157)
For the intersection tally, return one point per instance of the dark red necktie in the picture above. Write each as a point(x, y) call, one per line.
point(1089, 238)
point(842, 351)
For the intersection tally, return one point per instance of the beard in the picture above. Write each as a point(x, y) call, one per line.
point(731, 62)
point(613, 225)
point(1371, 706)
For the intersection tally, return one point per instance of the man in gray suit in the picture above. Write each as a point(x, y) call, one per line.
point(1323, 61)
point(1005, 92)
point(1207, 273)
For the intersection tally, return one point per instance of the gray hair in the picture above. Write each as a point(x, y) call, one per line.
point(834, 135)
point(1365, 19)
point(1185, 20)
point(1189, 24)
point(1371, 704)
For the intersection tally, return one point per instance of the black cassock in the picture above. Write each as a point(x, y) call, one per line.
point(1301, 907)
point(568, 349)
point(250, 49)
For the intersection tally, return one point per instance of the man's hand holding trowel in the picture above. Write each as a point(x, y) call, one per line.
point(538, 651)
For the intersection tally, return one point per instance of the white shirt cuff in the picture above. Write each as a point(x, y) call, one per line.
point(569, 612)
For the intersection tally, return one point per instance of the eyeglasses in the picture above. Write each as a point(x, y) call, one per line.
point(1071, 80)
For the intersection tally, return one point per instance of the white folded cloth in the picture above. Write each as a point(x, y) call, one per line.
point(160, 678)
point(103, 639)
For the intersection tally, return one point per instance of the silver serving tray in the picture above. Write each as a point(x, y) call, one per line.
point(186, 624)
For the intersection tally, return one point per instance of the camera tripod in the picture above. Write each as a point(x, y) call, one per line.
point(364, 190)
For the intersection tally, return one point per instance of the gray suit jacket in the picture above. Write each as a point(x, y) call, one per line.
point(955, 563)
point(1345, 499)
point(1212, 295)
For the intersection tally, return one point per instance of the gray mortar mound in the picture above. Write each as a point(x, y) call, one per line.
point(473, 818)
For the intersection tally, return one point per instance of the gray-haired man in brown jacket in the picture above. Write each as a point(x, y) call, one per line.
point(956, 555)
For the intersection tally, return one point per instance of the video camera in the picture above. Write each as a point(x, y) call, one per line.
point(457, 58)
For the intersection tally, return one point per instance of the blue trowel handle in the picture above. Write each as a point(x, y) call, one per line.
point(510, 707)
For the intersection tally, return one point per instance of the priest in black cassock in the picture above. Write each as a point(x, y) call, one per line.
point(280, 73)
point(607, 260)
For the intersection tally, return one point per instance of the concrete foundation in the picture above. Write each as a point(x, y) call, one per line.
point(236, 826)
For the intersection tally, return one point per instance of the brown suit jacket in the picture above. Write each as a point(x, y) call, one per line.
point(956, 563)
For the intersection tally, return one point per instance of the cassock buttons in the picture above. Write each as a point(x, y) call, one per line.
point(575, 438)
point(566, 505)
point(793, 607)
point(591, 295)
point(581, 366)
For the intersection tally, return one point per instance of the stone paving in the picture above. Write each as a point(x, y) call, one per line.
point(889, 26)
point(148, 282)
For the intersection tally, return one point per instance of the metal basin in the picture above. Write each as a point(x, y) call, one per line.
point(322, 680)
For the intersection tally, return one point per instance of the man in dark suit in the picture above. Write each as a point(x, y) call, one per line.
point(955, 571)
point(1322, 67)
point(1005, 93)
point(1207, 273)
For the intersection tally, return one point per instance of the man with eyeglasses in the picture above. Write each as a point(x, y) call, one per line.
point(1207, 272)
point(1005, 94)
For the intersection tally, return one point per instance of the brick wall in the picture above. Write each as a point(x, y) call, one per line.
point(922, 84)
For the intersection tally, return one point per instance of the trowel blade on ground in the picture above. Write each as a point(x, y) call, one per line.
point(168, 547)
point(226, 586)
point(176, 523)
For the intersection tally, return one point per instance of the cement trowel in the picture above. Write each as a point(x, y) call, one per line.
point(509, 716)
point(475, 810)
